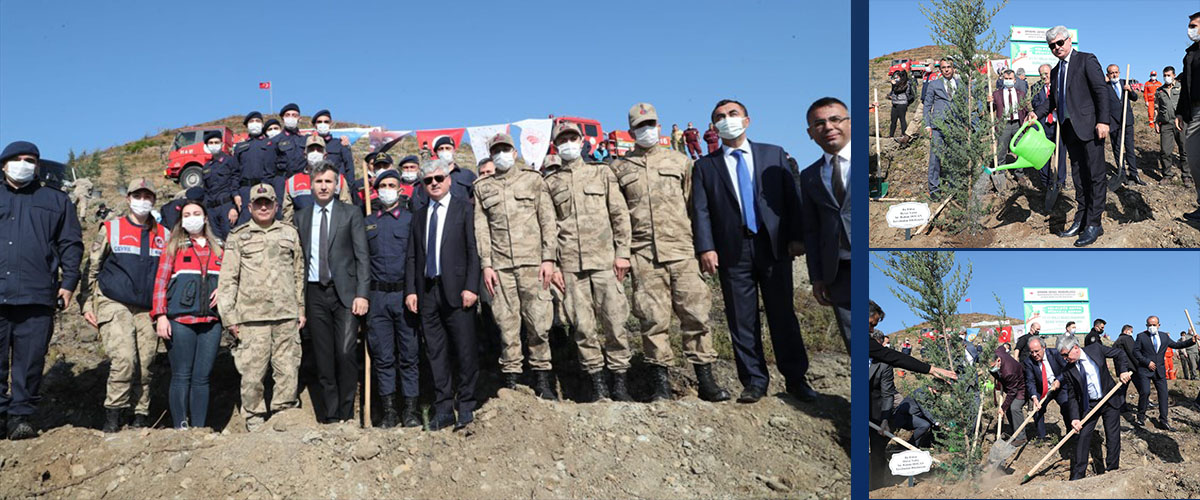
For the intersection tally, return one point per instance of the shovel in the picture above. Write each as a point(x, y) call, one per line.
point(901, 441)
point(1029, 475)
point(1052, 190)
point(1001, 450)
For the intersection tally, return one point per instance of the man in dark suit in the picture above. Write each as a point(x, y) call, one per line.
point(1087, 381)
point(1041, 93)
point(1149, 352)
point(1125, 343)
point(1044, 370)
point(746, 229)
point(1078, 93)
point(335, 247)
point(936, 97)
point(825, 202)
point(1097, 333)
point(909, 414)
point(1187, 112)
point(1118, 88)
point(443, 277)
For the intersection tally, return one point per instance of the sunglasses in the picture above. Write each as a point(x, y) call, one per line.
point(1058, 43)
point(436, 178)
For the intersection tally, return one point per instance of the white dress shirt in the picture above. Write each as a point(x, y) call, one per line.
point(1010, 103)
point(314, 240)
point(441, 226)
point(731, 167)
point(827, 180)
point(1093, 375)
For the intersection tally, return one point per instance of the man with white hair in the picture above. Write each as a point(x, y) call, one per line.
point(1087, 380)
point(1078, 94)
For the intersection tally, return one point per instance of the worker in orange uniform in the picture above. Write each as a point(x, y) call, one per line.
point(1151, 87)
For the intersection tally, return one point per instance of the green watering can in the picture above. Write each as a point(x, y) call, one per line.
point(1031, 149)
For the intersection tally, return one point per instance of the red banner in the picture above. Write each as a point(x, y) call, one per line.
point(431, 136)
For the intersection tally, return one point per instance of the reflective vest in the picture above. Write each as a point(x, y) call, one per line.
point(299, 187)
point(127, 272)
point(192, 282)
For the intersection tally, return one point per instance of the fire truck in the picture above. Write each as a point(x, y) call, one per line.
point(186, 159)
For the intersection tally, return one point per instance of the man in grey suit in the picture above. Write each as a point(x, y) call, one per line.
point(335, 248)
point(936, 105)
point(825, 209)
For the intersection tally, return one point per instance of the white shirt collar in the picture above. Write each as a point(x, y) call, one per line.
point(444, 202)
point(844, 154)
point(745, 148)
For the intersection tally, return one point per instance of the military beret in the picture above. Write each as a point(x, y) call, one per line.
point(252, 115)
point(445, 139)
point(323, 112)
point(270, 122)
point(386, 174)
point(17, 148)
point(291, 106)
point(211, 134)
point(409, 159)
point(195, 193)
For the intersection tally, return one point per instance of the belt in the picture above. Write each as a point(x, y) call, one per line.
point(219, 201)
point(387, 287)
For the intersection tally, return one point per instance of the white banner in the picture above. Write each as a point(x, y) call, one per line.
point(479, 137)
point(533, 140)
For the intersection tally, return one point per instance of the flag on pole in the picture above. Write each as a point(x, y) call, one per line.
point(968, 300)
point(264, 85)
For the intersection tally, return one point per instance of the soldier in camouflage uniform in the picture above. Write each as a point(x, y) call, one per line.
point(81, 195)
point(656, 183)
point(593, 253)
point(261, 297)
point(515, 234)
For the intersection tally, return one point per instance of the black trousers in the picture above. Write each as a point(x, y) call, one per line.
point(1089, 173)
point(392, 331)
point(740, 285)
point(839, 292)
point(446, 327)
point(1160, 386)
point(1115, 137)
point(1112, 442)
point(332, 327)
point(24, 338)
point(1039, 418)
point(899, 114)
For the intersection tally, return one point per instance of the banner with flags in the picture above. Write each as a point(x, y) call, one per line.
point(478, 138)
point(532, 138)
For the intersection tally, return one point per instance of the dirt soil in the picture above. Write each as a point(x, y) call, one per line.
point(1135, 216)
point(519, 446)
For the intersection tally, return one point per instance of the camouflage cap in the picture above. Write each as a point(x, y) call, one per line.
point(261, 191)
point(641, 112)
point(314, 139)
point(141, 184)
point(500, 138)
point(564, 126)
point(551, 161)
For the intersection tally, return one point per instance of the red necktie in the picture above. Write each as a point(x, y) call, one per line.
point(1045, 386)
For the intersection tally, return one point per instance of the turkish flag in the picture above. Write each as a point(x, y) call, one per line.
point(1006, 334)
point(264, 85)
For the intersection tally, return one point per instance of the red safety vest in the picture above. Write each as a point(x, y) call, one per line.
point(127, 272)
point(193, 280)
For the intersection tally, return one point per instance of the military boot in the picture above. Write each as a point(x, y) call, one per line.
point(709, 390)
point(19, 428)
point(599, 386)
point(620, 390)
point(390, 416)
point(3, 425)
point(411, 416)
point(660, 385)
point(544, 388)
point(140, 421)
point(112, 420)
point(510, 380)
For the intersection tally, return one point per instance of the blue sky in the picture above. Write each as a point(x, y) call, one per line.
point(86, 75)
point(1146, 34)
point(1124, 286)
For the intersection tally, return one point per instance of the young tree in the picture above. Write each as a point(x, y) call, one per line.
point(962, 30)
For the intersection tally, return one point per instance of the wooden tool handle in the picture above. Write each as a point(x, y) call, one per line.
point(1029, 474)
point(901, 441)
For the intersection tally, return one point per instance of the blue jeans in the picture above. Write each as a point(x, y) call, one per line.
point(192, 351)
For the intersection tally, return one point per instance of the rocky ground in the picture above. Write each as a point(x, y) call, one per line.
point(1135, 216)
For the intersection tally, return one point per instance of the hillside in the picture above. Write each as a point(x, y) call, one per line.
point(1135, 217)
point(964, 319)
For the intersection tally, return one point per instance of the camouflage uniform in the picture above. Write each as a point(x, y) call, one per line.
point(593, 231)
point(514, 207)
point(256, 294)
point(81, 195)
point(656, 183)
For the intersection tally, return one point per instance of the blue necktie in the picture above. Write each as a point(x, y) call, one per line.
point(431, 260)
point(1155, 337)
point(746, 192)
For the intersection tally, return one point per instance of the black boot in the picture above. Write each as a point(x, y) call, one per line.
point(599, 386)
point(509, 380)
point(544, 388)
point(3, 425)
point(659, 383)
point(112, 420)
point(411, 417)
point(19, 428)
point(390, 416)
point(140, 421)
point(709, 390)
point(620, 390)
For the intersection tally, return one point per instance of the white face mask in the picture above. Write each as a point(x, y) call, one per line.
point(254, 128)
point(731, 127)
point(409, 177)
point(193, 224)
point(291, 122)
point(21, 171)
point(315, 157)
point(1008, 84)
point(570, 151)
point(1194, 34)
point(503, 161)
point(323, 128)
point(446, 155)
point(273, 132)
point(388, 196)
point(646, 136)
point(1152, 329)
point(140, 207)
point(212, 149)
point(1168, 80)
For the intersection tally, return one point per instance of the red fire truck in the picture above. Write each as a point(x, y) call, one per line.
point(187, 157)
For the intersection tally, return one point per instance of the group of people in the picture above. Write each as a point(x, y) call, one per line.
point(687, 141)
point(1073, 373)
point(1090, 107)
point(274, 248)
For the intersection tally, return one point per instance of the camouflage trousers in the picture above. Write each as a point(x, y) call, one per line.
point(262, 344)
point(659, 289)
point(131, 343)
point(521, 300)
point(597, 293)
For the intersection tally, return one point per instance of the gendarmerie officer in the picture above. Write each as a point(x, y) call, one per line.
point(39, 238)
point(256, 156)
point(222, 177)
point(335, 152)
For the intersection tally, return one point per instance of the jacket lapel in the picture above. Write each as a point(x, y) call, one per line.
point(305, 228)
point(717, 165)
point(760, 155)
point(826, 195)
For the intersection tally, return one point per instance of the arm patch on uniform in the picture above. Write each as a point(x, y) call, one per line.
point(371, 227)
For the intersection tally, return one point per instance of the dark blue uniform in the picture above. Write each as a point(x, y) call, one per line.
point(256, 156)
point(463, 186)
point(222, 177)
point(390, 324)
point(170, 213)
point(39, 236)
point(340, 155)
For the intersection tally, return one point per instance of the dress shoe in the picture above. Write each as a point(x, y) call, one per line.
point(1140, 422)
point(112, 420)
point(410, 416)
point(510, 380)
point(1193, 215)
point(620, 387)
point(709, 389)
point(1152, 404)
point(752, 394)
point(803, 391)
point(1071, 231)
point(440, 422)
point(1166, 425)
point(19, 428)
point(659, 383)
point(1136, 179)
point(464, 419)
point(1089, 236)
